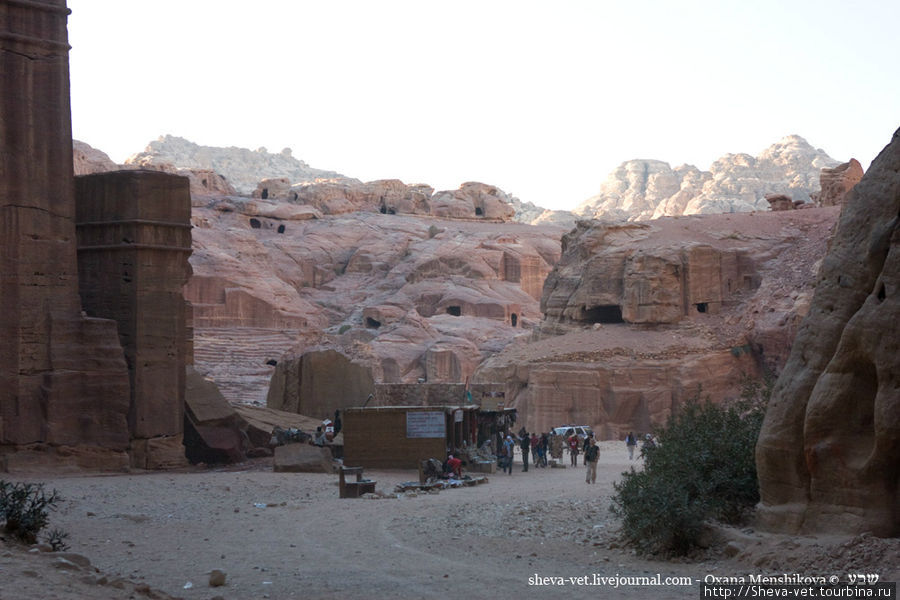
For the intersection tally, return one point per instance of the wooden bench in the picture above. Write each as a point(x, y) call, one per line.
point(355, 489)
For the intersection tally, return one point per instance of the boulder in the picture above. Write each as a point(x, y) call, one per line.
point(214, 432)
point(779, 202)
point(261, 421)
point(302, 458)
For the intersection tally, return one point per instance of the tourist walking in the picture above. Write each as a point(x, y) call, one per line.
point(525, 445)
point(591, 455)
point(573, 450)
point(630, 443)
point(535, 442)
point(509, 447)
point(543, 448)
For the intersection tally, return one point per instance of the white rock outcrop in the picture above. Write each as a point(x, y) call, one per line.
point(243, 168)
point(648, 189)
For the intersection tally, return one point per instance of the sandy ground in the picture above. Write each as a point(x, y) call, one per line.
point(283, 536)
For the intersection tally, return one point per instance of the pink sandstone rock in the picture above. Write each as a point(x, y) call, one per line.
point(63, 378)
point(837, 182)
point(639, 317)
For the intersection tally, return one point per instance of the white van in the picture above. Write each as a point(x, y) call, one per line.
point(582, 431)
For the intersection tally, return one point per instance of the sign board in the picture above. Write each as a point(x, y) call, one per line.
point(458, 416)
point(425, 425)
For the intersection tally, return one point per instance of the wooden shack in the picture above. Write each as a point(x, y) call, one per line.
point(399, 437)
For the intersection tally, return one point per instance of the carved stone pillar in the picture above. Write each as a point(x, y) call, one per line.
point(134, 240)
point(62, 376)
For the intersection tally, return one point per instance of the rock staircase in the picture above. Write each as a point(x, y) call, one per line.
point(235, 358)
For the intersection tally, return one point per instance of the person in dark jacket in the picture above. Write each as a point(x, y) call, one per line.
point(525, 445)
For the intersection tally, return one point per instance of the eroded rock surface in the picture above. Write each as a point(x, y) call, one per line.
point(827, 454)
point(644, 189)
point(836, 183)
point(640, 316)
point(408, 296)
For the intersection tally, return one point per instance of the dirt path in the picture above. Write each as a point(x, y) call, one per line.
point(285, 536)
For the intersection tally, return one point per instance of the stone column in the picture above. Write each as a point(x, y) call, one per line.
point(134, 240)
point(61, 375)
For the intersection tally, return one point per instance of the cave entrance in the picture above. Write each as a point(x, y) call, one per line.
point(702, 307)
point(281, 229)
point(373, 323)
point(606, 313)
point(255, 223)
point(513, 319)
point(265, 193)
point(478, 211)
point(456, 311)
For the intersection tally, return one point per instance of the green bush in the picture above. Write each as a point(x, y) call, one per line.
point(24, 508)
point(703, 467)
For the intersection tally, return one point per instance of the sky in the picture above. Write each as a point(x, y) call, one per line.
point(543, 99)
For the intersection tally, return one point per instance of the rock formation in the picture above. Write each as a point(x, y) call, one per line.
point(88, 160)
point(243, 168)
point(836, 183)
point(528, 212)
point(409, 297)
point(827, 453)
point(473, 200)
point(644, 189)
point(69, 394)
point(780, 202)
point(134, 239)
point(63, 378)
point(639, 316)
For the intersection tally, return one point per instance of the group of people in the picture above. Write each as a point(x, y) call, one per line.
point(533, 445)
point(538, 447)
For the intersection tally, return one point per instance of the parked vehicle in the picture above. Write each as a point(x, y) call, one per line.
point(582, 431)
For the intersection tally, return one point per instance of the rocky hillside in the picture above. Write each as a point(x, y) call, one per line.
point(648, 189)
point(242, 168)
point(382, 281)
point(640, 317)
point(408, 297)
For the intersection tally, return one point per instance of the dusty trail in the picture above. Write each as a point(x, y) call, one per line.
point(288, 536)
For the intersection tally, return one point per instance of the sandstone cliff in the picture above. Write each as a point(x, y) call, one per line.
point(407, 297)
point(827, 454)
point(646, 189)
point(638, 316)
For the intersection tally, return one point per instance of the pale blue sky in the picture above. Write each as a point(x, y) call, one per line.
point(543, 99)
